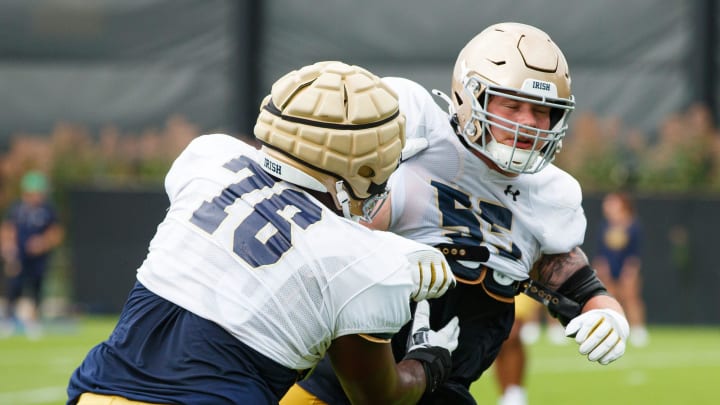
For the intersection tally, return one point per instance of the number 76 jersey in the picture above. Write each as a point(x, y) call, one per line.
point(446, 194)
point(268, 262)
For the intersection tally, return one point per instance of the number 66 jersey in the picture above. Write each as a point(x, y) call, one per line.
point(269, 263)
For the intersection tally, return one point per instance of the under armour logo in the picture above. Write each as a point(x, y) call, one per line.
point(514, 194)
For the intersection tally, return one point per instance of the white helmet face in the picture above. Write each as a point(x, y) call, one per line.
point(518, 62)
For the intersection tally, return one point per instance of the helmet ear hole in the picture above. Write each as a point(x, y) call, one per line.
point(458, 99)
point(366, 171)
point(481, 99)
point(556, 115)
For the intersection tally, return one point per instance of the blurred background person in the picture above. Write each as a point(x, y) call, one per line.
point(618, 260)
point(29, 233)
point(511, 362)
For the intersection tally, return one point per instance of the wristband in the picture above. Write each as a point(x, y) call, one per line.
point(437, 364)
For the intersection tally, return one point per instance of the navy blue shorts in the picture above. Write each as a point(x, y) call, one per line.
point(161, 353)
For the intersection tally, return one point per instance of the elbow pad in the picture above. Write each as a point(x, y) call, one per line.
point(580, 287)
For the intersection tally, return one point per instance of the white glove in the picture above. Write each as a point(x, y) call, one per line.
point(431, 274)
point(601, 334)
point(422, 337)
point(432, 348)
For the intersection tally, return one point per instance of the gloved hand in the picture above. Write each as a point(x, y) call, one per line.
point(431, 274)
point(422, 336)
point(601, 334)
point(432, 348)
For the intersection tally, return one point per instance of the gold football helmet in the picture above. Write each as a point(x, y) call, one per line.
point(334, 128)
point(520, 62)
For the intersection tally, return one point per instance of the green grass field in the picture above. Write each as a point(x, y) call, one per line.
point(679, 366)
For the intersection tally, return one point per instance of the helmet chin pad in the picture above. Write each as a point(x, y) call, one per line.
point(510, 158)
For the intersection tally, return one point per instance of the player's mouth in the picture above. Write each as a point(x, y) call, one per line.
point(520, 144)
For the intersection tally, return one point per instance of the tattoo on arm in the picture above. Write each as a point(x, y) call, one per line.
point(553, 270)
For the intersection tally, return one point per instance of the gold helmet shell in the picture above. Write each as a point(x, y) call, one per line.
point(331, 122)
point(521, 61)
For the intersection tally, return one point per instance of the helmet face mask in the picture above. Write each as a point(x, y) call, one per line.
point(359, 209)
point(511, 158)
point(336, 129)
point(518, 62)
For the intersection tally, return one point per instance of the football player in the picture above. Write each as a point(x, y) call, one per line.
point(486, 181)
point(509, 365)
point(252, 277)
point(619, 259)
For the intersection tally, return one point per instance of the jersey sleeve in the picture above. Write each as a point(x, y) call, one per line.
point(192, 160)
point(422, 114)
point(376, 311)
point(563, 215)
point(383, 307)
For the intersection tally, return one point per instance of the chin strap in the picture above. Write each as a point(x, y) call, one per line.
point(344, 200)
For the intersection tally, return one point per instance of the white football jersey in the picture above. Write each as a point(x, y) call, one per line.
point(268, 262)
point(516, 218)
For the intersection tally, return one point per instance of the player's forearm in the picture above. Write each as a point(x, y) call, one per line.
point(54, 235)
point(403, 386)
point(7, 237)
point(554, 270)
point(369, 374)
point(410, 383)
point(603, 302)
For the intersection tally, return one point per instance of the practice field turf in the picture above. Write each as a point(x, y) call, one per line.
point(679, 366)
